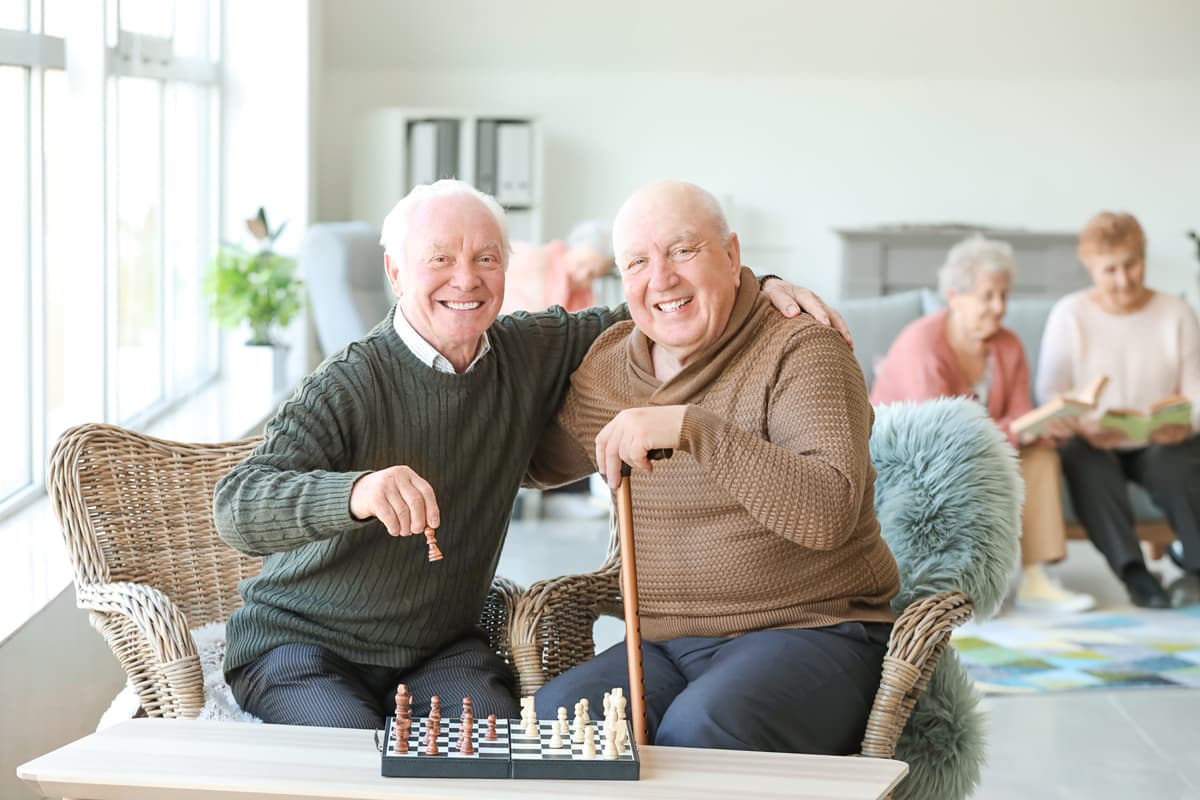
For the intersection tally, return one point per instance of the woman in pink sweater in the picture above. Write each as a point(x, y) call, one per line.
point(964, 351)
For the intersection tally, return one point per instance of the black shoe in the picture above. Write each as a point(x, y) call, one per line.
point(1185, 590)
point(1144, 589)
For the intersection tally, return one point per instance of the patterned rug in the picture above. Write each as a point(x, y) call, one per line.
point(1100, 650)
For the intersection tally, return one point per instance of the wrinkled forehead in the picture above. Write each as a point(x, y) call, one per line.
point(661, 218)
point(453, 220)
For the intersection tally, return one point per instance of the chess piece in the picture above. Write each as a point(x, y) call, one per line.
point(619, 700)
point(607, 703)
point(431, 539)
point(433, 724)
point(610, 743)
point(563, 727)
point(466, 733)
point(589, 742)
point(402, 700)
point(577, 724)
point(402, 727)
point(466, 711)
point(433, 732)
point(587, 717)
point(491, 731)
point(556, 741)
point(529, 716)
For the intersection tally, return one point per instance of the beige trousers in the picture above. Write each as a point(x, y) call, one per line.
point(1044, 537)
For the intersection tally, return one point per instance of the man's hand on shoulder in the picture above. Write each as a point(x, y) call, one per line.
point(399, 498)
point(790, 300)
point(633, 433)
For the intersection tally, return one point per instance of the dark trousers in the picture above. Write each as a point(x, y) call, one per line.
point(303, 684)
point(1096, 480)
point(790, 691)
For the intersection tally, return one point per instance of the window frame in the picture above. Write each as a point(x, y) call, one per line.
point(35, 53)
point(126, 54)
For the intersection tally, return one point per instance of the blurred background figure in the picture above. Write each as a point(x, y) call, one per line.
point(965, 351)
point(1148, 344)
point(563, 272)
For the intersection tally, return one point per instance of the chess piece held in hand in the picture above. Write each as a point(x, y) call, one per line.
point(431, 539)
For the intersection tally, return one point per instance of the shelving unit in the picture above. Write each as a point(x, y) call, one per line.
point(499, 153)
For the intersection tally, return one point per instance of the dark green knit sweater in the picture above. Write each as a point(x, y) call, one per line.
point(346, 585)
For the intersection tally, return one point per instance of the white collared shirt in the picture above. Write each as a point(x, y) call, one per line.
point(427, 353)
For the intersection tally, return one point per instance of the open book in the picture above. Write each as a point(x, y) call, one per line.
point(1137, 427)
point(1065, 406)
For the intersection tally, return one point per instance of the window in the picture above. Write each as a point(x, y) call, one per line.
point(164, 98)
point(26, 58)
point(126, 335)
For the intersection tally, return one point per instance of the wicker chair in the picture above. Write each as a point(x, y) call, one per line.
point(136, 513)
point(552, 632)
point(552, 623)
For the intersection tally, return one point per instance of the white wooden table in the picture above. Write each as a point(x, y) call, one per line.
point(161, 759)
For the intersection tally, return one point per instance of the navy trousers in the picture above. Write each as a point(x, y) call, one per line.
point(803, 690)
point(303, 684)
point(1096, 480)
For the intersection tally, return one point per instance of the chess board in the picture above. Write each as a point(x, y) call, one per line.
point(490, 759)
point(511, 755)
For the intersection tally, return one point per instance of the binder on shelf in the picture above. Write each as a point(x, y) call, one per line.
point(514, 145)
point(447, 148)
point(485, 156)
point(422, 152)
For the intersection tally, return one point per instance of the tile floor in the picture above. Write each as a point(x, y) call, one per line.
point(1097, 745)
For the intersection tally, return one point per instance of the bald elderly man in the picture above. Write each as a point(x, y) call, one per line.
point(428, 420)
point(764, 583)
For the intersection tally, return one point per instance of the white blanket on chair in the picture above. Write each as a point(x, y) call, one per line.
point(218, 698)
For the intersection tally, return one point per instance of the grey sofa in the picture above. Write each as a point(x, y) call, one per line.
point(876, 321)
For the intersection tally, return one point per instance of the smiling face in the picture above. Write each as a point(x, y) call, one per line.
point(1118, 275)
point(680, 278)
point(450, 278)
point(980, 311)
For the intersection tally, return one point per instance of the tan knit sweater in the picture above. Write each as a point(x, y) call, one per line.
point(766, 518)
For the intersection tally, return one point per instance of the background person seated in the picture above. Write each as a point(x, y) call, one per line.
point(560, 273)
point(1148, 344)
point(964, 350)
point(764, 583)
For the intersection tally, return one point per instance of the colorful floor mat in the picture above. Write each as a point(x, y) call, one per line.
point(1127, 649)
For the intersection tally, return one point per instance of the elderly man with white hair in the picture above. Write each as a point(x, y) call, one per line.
point(964, 350)
point(427, 421)
point(763, 581)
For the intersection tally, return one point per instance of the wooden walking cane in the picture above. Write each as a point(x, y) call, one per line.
point(633, 626)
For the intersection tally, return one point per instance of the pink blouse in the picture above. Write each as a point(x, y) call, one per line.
point(920, 365)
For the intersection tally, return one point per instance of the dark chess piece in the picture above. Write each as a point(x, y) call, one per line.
point(431, 539)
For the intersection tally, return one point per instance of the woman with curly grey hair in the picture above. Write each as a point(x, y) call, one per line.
point(964, 350)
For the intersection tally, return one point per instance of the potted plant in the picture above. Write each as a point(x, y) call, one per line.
point(257, 288)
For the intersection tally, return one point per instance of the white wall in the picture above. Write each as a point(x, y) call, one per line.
point(803, 117)
point(58, 678)
point(265, 120)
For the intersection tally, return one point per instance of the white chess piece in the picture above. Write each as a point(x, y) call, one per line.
point(619, 701)
point(583, 702)
point(564, 727)
point(589, 742)
point(555, 740)
point(607, 703)
point(610, 743)
point(529, 716)
point(578, 724)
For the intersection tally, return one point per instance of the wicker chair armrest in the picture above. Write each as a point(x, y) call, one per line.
point(151, 639)
point(918, 640)
point(552, 623)
point(164, 626)
point(497, 616)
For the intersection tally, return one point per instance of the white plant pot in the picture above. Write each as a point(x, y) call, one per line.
point(259, 369)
